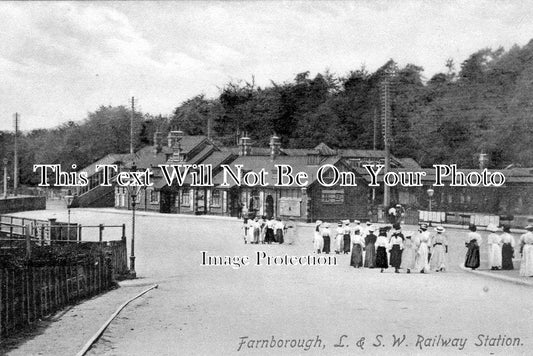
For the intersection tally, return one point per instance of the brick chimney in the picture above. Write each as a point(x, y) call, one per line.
point(158, 142)
point(275, 146)
point(245, 146)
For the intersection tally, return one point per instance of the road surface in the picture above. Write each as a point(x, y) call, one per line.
point(259, 310)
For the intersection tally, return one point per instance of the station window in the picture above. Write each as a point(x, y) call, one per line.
point(185, 197)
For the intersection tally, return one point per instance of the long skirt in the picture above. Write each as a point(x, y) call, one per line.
point(507, 256)
point(357, 256)
point(526, 266)
point(318, 243)
point(279, 236)
point(257, 232)
point(421, 260)
point(438, 258)
point(346, 245)
point(370, 256)
point(338, 243)
point(381, 257)
point(495, 256)
point(395, 256)
point(269, 236)
point(326, 247)
point(408, 258)
point(472, 256)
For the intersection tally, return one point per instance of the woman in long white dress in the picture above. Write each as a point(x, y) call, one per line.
point(339, 237)
point(526, 249)
point(318, 240)
point(495, 250)
point(440, 249)
point(422, 252)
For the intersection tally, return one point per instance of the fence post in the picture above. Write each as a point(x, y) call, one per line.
point(123, 238)
point(1, 304)
point(79, 233)
point(100, 232)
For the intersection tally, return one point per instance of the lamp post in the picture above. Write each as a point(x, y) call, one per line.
point(430, 196)
point(5, 177)
point(68, 199)
point(133, 190)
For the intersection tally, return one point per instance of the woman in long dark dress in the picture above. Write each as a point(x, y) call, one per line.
point(472, 254)
point(356, 259)
point(346, 238)
point(381, 250)
point(370, 249)
point(396, 244)
point(326, 234)
point(508, 245)
point(269, 234)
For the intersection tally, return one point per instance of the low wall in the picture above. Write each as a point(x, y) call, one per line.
point(22, 203)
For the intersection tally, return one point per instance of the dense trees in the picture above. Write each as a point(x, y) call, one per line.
point(484, 106)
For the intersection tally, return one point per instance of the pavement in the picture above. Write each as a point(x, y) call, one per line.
point(205, 310)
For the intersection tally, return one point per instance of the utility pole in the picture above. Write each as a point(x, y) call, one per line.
point(15, 163)
point(386, 126)
point(375, 128)
point(131, 124)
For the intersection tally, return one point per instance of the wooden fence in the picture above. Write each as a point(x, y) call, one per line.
point(29, 293)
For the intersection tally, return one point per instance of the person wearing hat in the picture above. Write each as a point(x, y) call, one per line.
point(472, 244)
point(526, 250)
point(356, 259)
point(508, 244)
point(245, 230)
point(440, 249)
point(326, 236)
point(382, 243)
point(318, 240)
point(346, 242)
point(339, 237)
point(262, 224)
point(408, 252)
point(370, 248)
point(495, 250)
point(422, 251)
point(396, 247)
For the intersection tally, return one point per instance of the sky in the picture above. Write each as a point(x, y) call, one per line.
point(61, 60)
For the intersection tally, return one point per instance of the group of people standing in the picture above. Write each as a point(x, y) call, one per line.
point(419, 252)
point(264, 231)
point(501, 249)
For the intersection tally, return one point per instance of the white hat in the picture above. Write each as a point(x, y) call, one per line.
point(529, 227)
point(357, 221)
point(318, 222)
point(371, 228)
point(439, 229)
point(368, 223)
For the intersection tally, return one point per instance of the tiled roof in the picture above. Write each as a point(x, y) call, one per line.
point(111, 158)
point(256, 164)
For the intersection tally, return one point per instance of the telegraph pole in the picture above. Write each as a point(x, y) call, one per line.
point(386, 126)
point(131, 124)
point(15, 163)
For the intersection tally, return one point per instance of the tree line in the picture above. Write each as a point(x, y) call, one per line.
point(482, 105)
